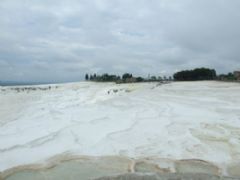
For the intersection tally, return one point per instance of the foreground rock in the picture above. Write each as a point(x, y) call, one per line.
point(181, 120)
point(117, 167)
point(173, 176)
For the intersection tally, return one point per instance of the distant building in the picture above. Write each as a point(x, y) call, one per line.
point(237, 75)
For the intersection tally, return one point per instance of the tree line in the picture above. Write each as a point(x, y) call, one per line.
point(228, 77)
point(195, 75)
point(125, 78)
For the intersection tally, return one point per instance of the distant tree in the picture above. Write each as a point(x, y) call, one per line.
point(104, 78)
point(126, 75)
point(153, 78)
point(231, 76)
point(227, 77)
point(139, 79)
point(91, 77)
point(86, 77)
point(126, 78)
point(160, 78)
point(195, 74)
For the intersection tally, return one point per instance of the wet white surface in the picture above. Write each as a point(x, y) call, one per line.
point(185, 120)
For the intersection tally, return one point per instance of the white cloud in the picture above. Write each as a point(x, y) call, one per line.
point(65, 39)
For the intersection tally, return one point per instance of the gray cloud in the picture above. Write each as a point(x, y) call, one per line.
point(61, 40)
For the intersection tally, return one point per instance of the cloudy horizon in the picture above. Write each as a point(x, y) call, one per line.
point(59, 41)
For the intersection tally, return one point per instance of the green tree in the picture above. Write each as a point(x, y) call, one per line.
point(86, 77)
point(91, 77)
point(139, 79)
point(195, 74)
point(153, 78)
point(126, 75)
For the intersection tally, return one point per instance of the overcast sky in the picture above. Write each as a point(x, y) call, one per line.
point(60, 40)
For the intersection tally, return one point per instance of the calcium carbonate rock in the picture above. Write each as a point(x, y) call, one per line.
point(173, 176)
point(234, 170)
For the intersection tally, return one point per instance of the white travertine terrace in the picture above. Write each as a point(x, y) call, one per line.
point(185, 120)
